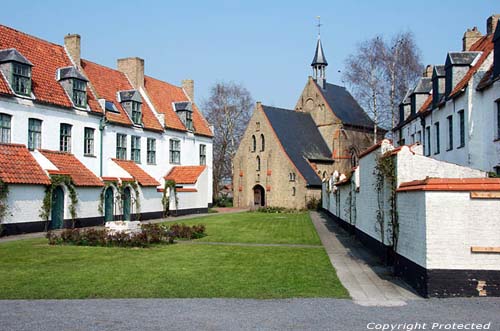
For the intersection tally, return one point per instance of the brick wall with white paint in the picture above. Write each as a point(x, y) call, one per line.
point(24, 203)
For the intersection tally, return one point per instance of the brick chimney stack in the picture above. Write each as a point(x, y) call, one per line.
point(133, 67)
point(428, 71)
point(72, 45)
point(491, 23)
point(188, 87)
point(470, 37)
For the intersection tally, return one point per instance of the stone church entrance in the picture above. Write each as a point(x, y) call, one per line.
point(259, 196)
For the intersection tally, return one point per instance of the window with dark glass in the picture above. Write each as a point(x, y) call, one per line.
point(88, 142)
point(151, 151)
point(5, 128)
point(254, 144)
point(135, 149)
point(65, 138)
point(438, 143)
point(121, 146)
point(291, 176)
point(428, 141)
point(21, 78)
point(293, 191)
point(262, 143)
point(136, 112)
point(461, 121)
point(34, 133)
point(79, 93)
point(258, 163)
point(203, 154)
point(175, 151)
point(450, 132)
point(189, 120)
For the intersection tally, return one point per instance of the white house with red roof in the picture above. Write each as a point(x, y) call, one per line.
point(102, 140)
point(454, 110)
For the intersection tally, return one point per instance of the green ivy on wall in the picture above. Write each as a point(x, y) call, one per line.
point(4, 194)
point(165, 200)
point(58, 180)
point(121, 193)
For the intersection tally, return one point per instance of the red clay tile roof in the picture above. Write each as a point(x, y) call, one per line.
point(107, 83)
point(370, 149)
point(68, 164)
point(452, 184)
point(46, 58)
point(18, 166)
point(135, 171)
point(185, 174)
point(485, 45)
point(162, 96)
point(4, 87)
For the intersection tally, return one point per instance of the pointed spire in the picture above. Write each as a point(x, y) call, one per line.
point(319, 55)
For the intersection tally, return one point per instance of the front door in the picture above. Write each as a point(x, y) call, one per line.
point(108, 205)
point(126, 204)
point(57, 209)
point(258, 196)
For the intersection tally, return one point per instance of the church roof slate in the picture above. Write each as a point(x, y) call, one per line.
point(300, 139)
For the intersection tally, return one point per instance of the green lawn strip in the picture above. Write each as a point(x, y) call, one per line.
point(262, 228)
point(31, 269)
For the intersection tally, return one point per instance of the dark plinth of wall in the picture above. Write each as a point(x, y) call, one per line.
point(440, 283)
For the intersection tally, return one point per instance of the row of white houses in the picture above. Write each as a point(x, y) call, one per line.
point(82, 143)
point(427, 203)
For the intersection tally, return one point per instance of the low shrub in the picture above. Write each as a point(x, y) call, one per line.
point(149, 234)
point(278, 210)
point(223, 202)
point(313, 203)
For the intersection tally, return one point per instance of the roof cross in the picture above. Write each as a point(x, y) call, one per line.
point(319, 25)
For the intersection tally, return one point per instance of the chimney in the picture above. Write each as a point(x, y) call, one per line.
point(428, 71)
point(72, 45)
point(133, 67)
point(188, 87)
point(491, 23)
point(470, 37)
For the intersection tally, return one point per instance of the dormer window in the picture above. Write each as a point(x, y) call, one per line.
point(17, 69)
point(184, 111)
point(75, 84)
point(131, 101)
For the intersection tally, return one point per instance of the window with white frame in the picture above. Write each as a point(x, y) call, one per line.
point(203, 154)
point(151, 151)
point(88, 142)
point(175, 151)
point(65, 137)
point(79, 93)
point(121, 146)
point(34, 133)
point(135, 149)
point(21, 78)
point(5, 128)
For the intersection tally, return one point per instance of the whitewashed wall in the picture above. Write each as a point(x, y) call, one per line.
point(150, 199)
point(88, 202)
point(25, 203)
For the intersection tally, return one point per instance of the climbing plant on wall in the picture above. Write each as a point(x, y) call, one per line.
point(58, 180)
point(385, 175)
point(107, 184)
point(4, 194)
point(165, 200)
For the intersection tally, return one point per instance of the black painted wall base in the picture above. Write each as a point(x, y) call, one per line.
point(441, 283)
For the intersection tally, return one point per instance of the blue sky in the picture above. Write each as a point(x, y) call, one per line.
point(265, 45)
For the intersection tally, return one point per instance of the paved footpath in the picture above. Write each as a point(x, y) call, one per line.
point(368, 282)
point(235, 314)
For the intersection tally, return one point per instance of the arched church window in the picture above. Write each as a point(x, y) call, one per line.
point(354, 157)
point(254, 144)
point(262, 143)
point(258, 163)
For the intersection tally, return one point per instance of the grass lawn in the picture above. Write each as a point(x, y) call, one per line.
point(31, 269)
point(264, 228)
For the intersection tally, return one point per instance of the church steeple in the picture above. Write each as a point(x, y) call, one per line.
point(319, 62)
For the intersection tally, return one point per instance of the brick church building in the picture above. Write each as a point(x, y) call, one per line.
point(284, 154)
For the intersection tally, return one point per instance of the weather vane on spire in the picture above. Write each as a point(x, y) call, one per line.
point(319, 25)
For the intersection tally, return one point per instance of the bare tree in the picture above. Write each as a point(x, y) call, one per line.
point(380, 73)
point(228, 109)
point(365, 73)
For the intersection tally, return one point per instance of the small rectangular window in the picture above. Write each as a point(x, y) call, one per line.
point(34, 134)
point(203, 154)
point(121, 146)
point(428, 141)
point(21, 78)
point(88, 142)
point(175, 151)
point(135, 150)
point(79, 93)
point(189, 120)
point(438, 142)
point(136, 113)
point(65, 138)
point(5, 128)
point(419, 136)
point(498, 119)
point(461, 121)
point(151, 151)
point(450, 132)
